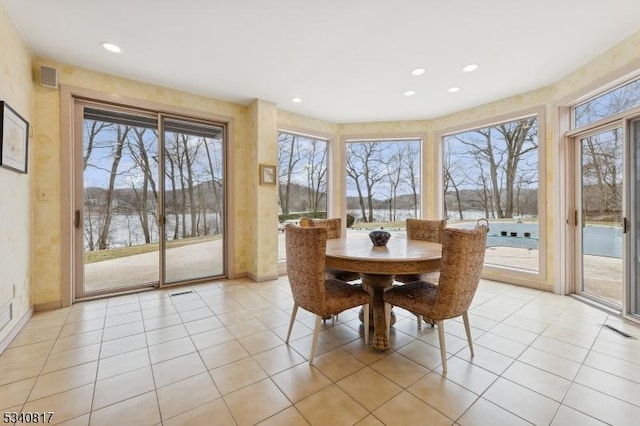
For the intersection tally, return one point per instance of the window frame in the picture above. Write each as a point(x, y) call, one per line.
point(571, 133)
point(527, 278)
point(420, 138)
point(600, 92)
point(282, 263)
point(69, 97)
point(328, 158)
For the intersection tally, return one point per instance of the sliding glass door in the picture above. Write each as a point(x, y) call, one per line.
point(194, 200)
point(118, 219)
point(600, 215)
point(149, 200)
point(634, 223)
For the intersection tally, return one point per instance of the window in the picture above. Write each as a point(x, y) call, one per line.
point(383, 182)
point(618, 100)
point(302, 179)
point(492, 172)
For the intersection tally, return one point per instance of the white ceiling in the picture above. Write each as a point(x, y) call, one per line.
point(349, 60)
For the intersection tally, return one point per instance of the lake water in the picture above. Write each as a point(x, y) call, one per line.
point(597, 240)
point(126, 229)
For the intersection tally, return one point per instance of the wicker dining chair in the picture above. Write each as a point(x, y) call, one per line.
point(305, 222)
point(424, 230)
point(306, 251)
point(462, 260)
point(334, 230)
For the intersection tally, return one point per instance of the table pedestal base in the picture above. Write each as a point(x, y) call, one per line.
point(361, 317)
point(375, 285)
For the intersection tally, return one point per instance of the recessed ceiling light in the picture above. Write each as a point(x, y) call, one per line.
point(410, 93)
point(110, 47)
point(296, 100)
point(418, 71)
point(453, 89)
point(470, 67)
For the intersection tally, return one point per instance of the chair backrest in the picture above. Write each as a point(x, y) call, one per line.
point(425, 230)
point(462, 260)
point(306, 251)
point(305, 222)
point(333, 226)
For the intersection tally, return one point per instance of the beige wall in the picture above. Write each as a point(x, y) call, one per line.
point(31, 228)
point(15, 189)
point(615, 63)
point(263, 240)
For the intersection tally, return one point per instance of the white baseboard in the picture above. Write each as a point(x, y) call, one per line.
point(4, 343)
point(263, 278)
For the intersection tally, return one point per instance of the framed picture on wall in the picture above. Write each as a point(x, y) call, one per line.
point(267, 175)
point(14, 139)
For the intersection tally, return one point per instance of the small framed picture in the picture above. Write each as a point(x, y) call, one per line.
point(14, 139)
point(267, 175)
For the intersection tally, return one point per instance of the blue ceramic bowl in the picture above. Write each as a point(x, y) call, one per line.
point(379, 238)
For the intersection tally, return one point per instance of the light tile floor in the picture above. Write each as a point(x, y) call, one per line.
point(216, 356)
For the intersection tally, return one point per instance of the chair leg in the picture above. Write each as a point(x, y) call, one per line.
point(419, 318)
point(443, 349)
point(387, 318)
point(316, 333)
point(365, 307)
point(293, 318)
point(467, 328)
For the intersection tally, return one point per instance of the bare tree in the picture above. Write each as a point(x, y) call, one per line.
point(526, 199)
point(92, 216)
point(139, 153)
point(171, 156)
point(92, 129)
point(316, 171)
point(92, 211)
point(215, 165)
point(288, 157)
point(618, 100)
point(483, 191)
point(121, 136)
point(394, 168)
point(412, 174)
point(517, 136)
point(501, 148)
point(363, 163)
point(452, 181)
point(602, 172)
point(190, 151)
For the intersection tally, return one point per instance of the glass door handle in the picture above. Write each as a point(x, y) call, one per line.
point(76, 219)
point(578, 219)
point(625, 225)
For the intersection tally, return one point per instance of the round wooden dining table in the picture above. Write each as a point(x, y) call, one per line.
point(379, 265)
